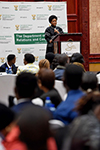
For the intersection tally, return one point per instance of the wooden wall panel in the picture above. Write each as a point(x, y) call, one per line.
point(72, 7)
point(84, 28)
point(72, 16)
point(78, 21)
point(72, 25)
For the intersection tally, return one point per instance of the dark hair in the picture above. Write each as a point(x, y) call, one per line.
point(29, 58)
point(63, 59)
point(50, 56)
point(52, 17)
point(77, 57)
point(26, 83)
point(73, 76)
point(47, 78)
point(55, 61)
point(34, 126)
point(88, 102)
point(89, 81)
point(10, 57)
point(6, 116)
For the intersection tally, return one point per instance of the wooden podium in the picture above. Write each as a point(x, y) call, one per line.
point(66, 37)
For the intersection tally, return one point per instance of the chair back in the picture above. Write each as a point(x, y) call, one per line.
point(7, 83)
point(60, 88)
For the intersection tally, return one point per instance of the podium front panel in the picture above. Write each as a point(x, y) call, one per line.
point(70, 47)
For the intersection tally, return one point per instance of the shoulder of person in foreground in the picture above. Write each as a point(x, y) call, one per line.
point(12, 141)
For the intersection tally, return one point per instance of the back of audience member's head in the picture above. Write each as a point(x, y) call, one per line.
point(25, 85)
point(50, 56)
point(63, 59)
point(11, 57)
point(7, 116)
point(29, 58)
point(34, 127)
point(89, 81)
point(47, 78)
point(77, 57)
point(73, 76)
point(88, 102)
point(55, 61)
point(44, 63)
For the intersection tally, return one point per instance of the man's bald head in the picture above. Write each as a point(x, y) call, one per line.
point(47, 78)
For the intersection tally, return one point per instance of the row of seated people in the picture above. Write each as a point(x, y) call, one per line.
point(56, 62)
point(31, 129)
point(80, 112)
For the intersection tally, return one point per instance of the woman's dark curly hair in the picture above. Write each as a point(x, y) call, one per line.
point(88, 102)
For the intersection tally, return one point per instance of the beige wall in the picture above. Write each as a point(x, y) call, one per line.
point(94, 67)
point(94, 14)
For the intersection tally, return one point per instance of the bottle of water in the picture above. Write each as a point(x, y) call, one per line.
point(52, 107)
point(49, 105)
point(10, 70)
point(47, 102)
point(7, 70)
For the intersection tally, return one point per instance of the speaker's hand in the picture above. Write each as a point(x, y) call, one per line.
point(55, 30)
point(50, 41)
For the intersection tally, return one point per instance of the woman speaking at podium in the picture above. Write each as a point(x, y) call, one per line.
point(51, 33)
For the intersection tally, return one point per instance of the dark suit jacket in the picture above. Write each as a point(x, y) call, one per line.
point(50, 34)
point(3, 68)
point(54, 97)
point(19, 107)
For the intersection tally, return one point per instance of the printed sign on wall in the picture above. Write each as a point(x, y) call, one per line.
point(22, 27)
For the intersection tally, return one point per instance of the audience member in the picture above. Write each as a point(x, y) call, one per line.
point(7, 116)
point(85, 130)
point(59, 71)
point(25, 86)
point(8, 131)
point(55, 61)
point(34, 127)
point(72, 81)
point(89, 82)
point(77, 58)
point(28, 64)
point(44, 63)
point(11, 59)
point(50, 56)
point(46, 81)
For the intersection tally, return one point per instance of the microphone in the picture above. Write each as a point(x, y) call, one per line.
point(56, 30)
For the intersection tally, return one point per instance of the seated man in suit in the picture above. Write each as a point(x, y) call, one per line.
point(29, 59)
point(25, 86)
point(11, 59)
point(46, 81)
